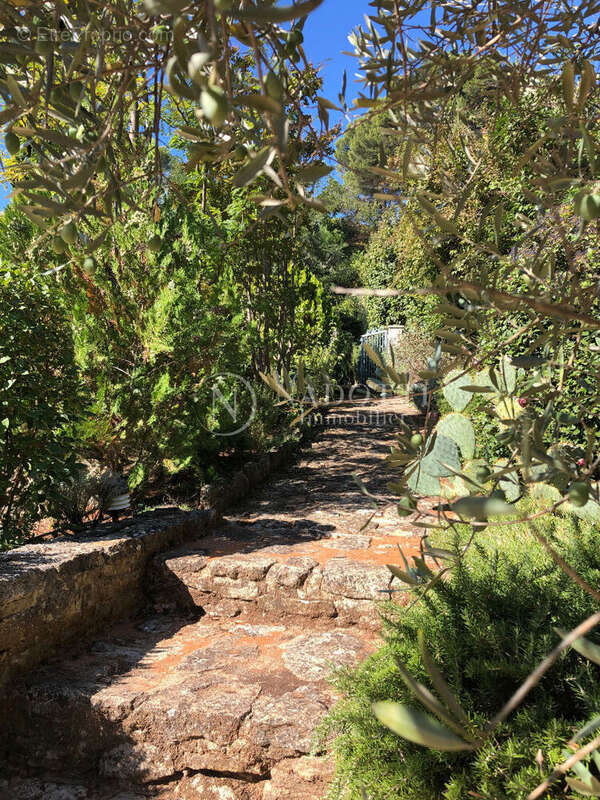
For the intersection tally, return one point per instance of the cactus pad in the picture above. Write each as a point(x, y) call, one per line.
point(470, 470)
point(482, 379)
point(457, 427)
point(422, 483)
point(545, 493)
point(507, 408)
point(454, 394)
point(506, 375)
point(589, 512)
point(444, 452)
point(454, 487)
point(509, 483)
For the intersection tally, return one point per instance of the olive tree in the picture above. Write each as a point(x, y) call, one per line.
point(85, 88)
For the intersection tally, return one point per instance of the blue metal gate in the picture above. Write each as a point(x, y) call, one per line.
point(379, 340)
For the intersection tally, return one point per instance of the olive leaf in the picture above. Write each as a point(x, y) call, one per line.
point(418, 727)
point(568, 85)
point(267, 13)
point(587, 649)
point(481, 508)
point(254, 167)
point(262, 102)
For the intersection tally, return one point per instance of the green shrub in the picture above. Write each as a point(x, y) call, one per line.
point(412, 351)
point(487, 628)
point(396, 257)
point(39, 400)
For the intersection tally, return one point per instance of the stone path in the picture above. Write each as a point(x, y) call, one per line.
point(216, 693)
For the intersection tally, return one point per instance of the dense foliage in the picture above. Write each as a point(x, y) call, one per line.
point(495, 110)
point(40, 397)
point(142, 330)
point(487, 628)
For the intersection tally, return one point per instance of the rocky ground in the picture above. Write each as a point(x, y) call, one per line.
point(216, 693)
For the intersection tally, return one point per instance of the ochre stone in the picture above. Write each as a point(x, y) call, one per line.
point(213, 682)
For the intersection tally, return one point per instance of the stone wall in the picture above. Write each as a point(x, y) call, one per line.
point(53, 592)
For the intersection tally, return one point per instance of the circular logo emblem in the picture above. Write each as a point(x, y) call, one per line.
point(230, 403)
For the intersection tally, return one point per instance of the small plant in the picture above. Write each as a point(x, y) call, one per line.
point(90, 493)
point(446, 464)
point(74, 499)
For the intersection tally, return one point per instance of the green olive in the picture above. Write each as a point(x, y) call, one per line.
point(57, 95)
point(589, 206)
point(68, 233)
point(416, 440)
point(13, 145)
point(294, 38)
point(482, 474)
point(76, 89)
point(58, 245)
point(579, 493)
point(89, 265)
point(273, 86)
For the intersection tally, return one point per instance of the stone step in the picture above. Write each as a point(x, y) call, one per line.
point(293, 571)
point(41, 789)
point(304, 778)
point(217, 692)
point(213, 702)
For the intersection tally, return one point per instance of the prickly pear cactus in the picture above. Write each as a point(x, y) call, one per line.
point(590, 512)
point(422, 483)
point(459, 428)
point(454, 393)
point(545, 493)
point(467, 483)
point(506, 375)
point(472, 470)
point(454, 487)
point(443, 459)
point(448, 466)
point(502, 380)
point(484, 380)
point(507, 408)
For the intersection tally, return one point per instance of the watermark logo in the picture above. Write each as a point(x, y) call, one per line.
point(230, 401)
point(115, 36)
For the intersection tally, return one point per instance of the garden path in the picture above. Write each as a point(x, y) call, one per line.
point(215, 694)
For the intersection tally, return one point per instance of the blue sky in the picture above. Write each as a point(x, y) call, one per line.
point(325, 36)
point(4, 192)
